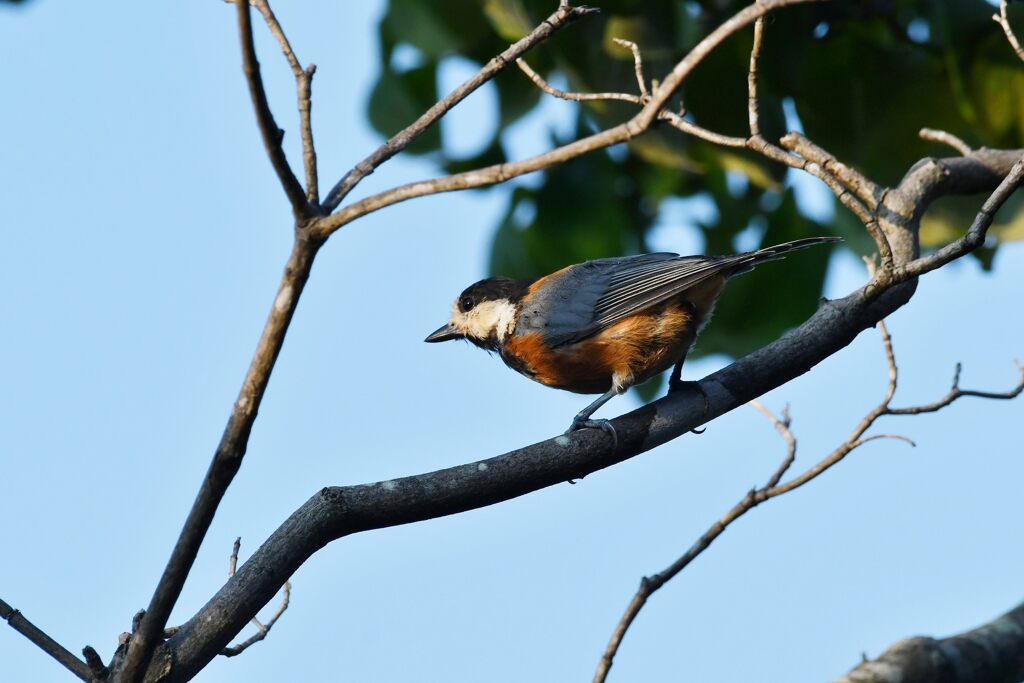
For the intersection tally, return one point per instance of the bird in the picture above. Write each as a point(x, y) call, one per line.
point(602, 326)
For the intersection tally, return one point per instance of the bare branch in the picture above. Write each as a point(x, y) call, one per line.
point(956, 392)
point(539, 81)
point(19, 623)
point(975, 235)
point(772, 489)
point(673, 119)
point(226, 461)
point(271, 134)
point(490, 175)
point(1005, 24)
point(562, 17)
point(638, 64)
point(261, 629)
point(992, 653)
point(96, 666)
point(335, 512)
point(782, 427)
point(860, 185)
point(853, 190)
point(303, 87)
point(753, 115)
point(942, 137)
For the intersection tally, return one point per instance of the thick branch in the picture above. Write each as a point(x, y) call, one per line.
point(975, 235)
point(335, 512)
point(226, 461)
point(271, 134)
point(993, 653)
point(562, 17)
point(19, 623)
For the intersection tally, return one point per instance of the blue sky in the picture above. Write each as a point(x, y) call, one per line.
point(142, 234)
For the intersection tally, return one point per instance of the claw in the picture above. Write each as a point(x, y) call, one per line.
point(679, 385)
point(604, 425)
point(676, 384)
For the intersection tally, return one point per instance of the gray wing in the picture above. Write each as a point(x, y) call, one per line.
point(591, 296)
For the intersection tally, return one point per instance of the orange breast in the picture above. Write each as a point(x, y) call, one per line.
point(627, 353)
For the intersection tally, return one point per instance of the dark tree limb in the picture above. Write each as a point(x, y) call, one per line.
point(19, 623)
point(226, 461)
point(335, 512)
point(992, 653)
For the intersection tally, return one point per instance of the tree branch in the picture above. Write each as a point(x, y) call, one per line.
point(975, 235)
point(262, 630)
point(942, 137)
point(19, 623)
point(303, 87)
point(632, 128)
point(335, 512)
point(271, 134)
point(1004, 23)
point(561, 17)
point(992, 653)
point(226, 461)
point(773, 489)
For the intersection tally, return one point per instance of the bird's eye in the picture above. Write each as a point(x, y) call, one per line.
point(466, 303)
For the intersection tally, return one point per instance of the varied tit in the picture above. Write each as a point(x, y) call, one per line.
point(602, 326)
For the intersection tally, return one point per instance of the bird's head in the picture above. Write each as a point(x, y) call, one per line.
point(485, 313)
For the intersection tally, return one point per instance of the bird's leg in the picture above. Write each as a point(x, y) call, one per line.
point(583, 421)
point(677, 383)
point(675, 380)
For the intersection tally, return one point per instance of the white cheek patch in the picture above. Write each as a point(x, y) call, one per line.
point(489, 318)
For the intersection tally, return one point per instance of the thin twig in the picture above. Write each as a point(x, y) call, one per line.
point(272, 135)
point(782, 427)
point(19, 623)
point(853, 190)
point(673, 119)
point(638, 64)
point(539, 81)
point(303, 87)
point(956, 392)
point(753, 115)
point(562, 17)
point(772, 489)
point(261, 629)
point(1010, 37)
point(651, 111)
point(945, 138)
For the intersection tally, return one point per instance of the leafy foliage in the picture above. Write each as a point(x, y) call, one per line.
point(863, 78)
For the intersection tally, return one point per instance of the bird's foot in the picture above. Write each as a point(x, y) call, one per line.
point(604, 425)
point(675, 384)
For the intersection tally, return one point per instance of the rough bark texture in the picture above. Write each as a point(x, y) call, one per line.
point(993, 653)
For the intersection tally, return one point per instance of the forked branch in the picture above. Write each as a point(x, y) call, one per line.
point(261, 629)
point(773, 488)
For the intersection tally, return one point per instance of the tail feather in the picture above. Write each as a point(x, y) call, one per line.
point(749, 260)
